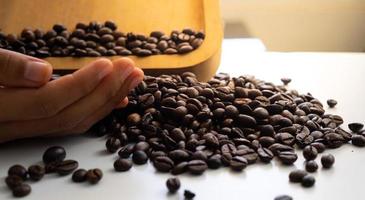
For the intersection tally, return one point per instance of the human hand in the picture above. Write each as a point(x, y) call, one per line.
point(31, 105)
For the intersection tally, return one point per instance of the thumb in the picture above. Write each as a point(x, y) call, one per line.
point(18, 70)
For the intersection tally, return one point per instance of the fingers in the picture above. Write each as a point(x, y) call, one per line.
point(18, 70)
point(53, 97)
point(112, 89)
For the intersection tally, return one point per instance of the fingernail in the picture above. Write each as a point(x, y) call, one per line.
point(126, 72)
point(35, 71)
point(134, 83)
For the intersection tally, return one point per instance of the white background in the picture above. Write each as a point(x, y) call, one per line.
point(326, 75)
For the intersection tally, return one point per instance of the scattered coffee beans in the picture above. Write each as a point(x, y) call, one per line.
point(331, 103)
point(79, 176)
point(188, 194)
point(93, 176)
point(173, 184)
point(122, 165)
point(308, 181)
point(356, 127)
point(36, 172)
point(283, 197)
point(54, 154)
point(327, 160)
point(311, 166)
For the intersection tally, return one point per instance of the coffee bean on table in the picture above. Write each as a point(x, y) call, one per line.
point(356, 127)
point(287, 157)
point(214, 162)
point(51, 167)
point(13, 181)
point(67, 167)
point(126, 151)
point(311, 166)
point(297, 175)
point(197, 166)
point(122, 165)
point(163, 163)
point(36, 172)
point(331, 103)
point(285, 81)
point(308, 181)
point(310, 152)
point(327, 160)
point(238, 163)
point(358, 140)
point(21, 190)
point(54, 154)
point(79, 176)
point(173, 184)
point(139, 157)
point(93, 176)
point(283, 197)
point(18, 170)
point(189, 194)
point(113, 144)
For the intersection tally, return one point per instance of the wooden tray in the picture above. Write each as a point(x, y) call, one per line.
point(139, 16)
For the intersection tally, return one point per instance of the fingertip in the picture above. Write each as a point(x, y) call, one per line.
point(102, 66)
point(125, 62)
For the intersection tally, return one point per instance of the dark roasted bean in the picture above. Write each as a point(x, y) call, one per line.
point(358, 140)
point(122, 165)
point(66, 167)
point(197, 166)
point(311, 166)
point(327, 160)
point(308, 181)
point(36, 172)
point(173, 184)
point(18, 170)
point(93, 176)
point(79, 176)
point(21, 190)
point(139, 157)
point(356, 127)
point(283, 197)
point(188, 194)
point(296, 176)
point(310, 152)
point(54, 154)
point(13, 180)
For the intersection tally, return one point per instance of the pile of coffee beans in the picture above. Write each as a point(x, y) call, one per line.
point(53, 162)
point(99, 39)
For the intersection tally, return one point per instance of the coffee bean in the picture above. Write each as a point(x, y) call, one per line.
point(296, 176)
point(260, 113)
point(265, 155)
point(126, 151)
point(246, 121)
point(238, 163)
point(21, 190)
point(327, 160)
point(285, 81)
point(287, 157)
point(13, 180)
point(283, 197)
point(36, 172)
point(358, 140)
point(139, 157)
point(311, 166)
point(185, 49)
point(18, 170)
point(197, 166)
point(310, 152)
point(93, 176)
point(308, 181)
point(54, 154)
point(66, 167)
point(179, 168)
point(163, 163)
point(331, 103)
point(79, 176)
point(173, 184)
point(112, 144)
point(319, 146)
point(122, 165)
point(356, 127)
point(188, 194)
point(214, 162)
point(211, 140)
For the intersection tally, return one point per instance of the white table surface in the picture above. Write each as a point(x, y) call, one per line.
point(325, 75)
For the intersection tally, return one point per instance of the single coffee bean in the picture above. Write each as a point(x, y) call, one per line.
point(173, 184)
point(122, 165)
point(238, 163)
point(79, 176)
point(67, 167)
point(310, 152)
point(355, 127)
point(197, 166)
point(358, 140)
point(179, 168)
point(265, 155)
point(188, 194)
point(311, 166)
point(21, 190)
point(54, 154)
point(139, 157)
point(319, 146)
point(297, 175)
point(327, 160)
point(214, 162)
point(308, 181)
point(163, 163)
point(18, 170)
point(113, 144)
point(283, 197)
point(287, 157)
point(285, 81)
point(126, 151)
point(13, 180)
point(36, 172)
point(331, 103)
point(93, 176)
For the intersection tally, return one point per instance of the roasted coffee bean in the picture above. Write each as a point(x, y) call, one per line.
point(211, 140)
point(287, 157)
point(331, 103)
point(21, 190)
point(36, 172)
point(197, 166)
point(179, 168)
point(54, 154)
point(126, 151)
point(163, 163)
point(139, 157)
point(358, 140)
point(188, 194)
point(327, 160)
point(260, 113)
point(67, 167)
point(173, 184)
point(18, 170)
point(238, 163)
point(93, 176)
point(297, 175)
point(51, 167)
point(308, 181)
point(334, 140)
point(319, 146)
point(79, 176)
point(13, 180)
point(285, 81)
point(311, 166)
point(283, 197)
point(265, 155)
point(113, 144)
point(122, 165)
point(310, 152)
point(356, 127)
point(214, 162)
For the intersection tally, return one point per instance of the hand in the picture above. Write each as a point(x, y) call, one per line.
point(31, 105)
